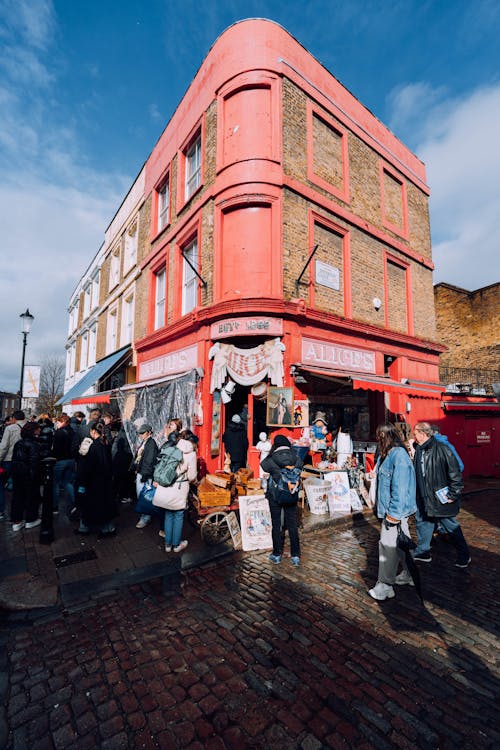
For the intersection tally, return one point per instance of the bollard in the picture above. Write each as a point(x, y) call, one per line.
point(47, 527)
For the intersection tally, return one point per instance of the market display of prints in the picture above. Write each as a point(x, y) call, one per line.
point(255, 521)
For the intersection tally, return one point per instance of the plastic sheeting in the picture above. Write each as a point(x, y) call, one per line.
point(157, 404)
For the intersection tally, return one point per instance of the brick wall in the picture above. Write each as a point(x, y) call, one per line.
point(468, 323)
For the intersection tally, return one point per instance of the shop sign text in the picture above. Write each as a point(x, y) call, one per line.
point(322, 354)
point(483, 436)
point(327, 275)
point(248, 326)
point(169, 364)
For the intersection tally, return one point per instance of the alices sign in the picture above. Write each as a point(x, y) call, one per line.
point(336, 357)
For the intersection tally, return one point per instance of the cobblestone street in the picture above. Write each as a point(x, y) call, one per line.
point(255, 655)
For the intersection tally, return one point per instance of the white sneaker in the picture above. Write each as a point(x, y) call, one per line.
point(382, 591)
point(168, 548)
point(32, 524)
point(142, 523)
point(404, 579)
point(182, 545)
point(18, 526)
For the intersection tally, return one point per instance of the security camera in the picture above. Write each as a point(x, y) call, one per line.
point(377, 303)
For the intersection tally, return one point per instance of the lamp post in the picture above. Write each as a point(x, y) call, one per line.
point(27, 320)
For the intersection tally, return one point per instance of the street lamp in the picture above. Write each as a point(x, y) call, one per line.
point(26, 322)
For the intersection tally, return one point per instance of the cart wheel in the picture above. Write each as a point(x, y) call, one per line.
point(214, 528)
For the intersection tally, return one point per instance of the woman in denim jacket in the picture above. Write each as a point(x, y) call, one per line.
point(396, 501)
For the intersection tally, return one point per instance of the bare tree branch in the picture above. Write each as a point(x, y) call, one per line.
point(51, 383)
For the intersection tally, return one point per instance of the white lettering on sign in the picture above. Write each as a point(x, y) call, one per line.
point(169, 364)
point(327, 275)
point(246, 327)
point(336, 357)
point(483, 436)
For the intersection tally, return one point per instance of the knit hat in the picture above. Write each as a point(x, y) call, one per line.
point(236, 418)
point(280, 441)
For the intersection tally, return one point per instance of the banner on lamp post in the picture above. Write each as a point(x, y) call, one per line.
point(31, 381)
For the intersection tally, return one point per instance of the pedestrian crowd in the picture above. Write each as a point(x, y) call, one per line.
point(95, 469)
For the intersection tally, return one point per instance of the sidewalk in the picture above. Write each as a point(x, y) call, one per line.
point(74, 569)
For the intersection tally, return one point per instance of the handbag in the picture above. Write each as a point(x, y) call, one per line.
point(404, 542)
point(166, 499)
point(144, 502)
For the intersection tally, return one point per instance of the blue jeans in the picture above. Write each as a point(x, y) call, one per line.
point(64, 482)
point(425, 529)
point(174, 520)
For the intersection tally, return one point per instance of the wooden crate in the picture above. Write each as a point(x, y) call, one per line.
point(220, 480)
point(211, 496)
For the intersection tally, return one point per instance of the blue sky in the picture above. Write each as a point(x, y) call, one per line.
point(87, 86)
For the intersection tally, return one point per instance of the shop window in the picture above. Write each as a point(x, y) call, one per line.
point(160, 280)
point(393, 201)
point(327, 153)
point(189, 278)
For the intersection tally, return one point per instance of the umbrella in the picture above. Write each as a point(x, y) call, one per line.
point(405, 543)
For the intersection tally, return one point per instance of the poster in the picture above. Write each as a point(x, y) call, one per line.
point(234, 528)
point(301, 413)
point(339, 499)
point(215, 438)
point(279, 406)
point(255, 520)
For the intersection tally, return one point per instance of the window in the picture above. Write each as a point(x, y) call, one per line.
point(189, 278)
point(73, 318)
point(160, 288)
point(163, 205)
point(114, 269)
point(86, 301)
point(84, 351)
point(94, 291)
point(130, 249)
point(127, 320)
point(70, 360)
point(193, 167)
point(92, 345)
point(112, 331)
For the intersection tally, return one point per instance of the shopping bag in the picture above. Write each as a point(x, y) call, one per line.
point(144, 502)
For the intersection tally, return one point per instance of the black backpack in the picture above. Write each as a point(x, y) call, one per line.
point(287, 486)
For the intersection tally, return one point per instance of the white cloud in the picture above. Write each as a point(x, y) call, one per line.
point(53, 208)
point(458, 141)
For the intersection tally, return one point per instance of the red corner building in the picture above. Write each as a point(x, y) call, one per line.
point(288, 248)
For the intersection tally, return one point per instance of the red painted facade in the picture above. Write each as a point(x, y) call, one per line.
point(236, 216)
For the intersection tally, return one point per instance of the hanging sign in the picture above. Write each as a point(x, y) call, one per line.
point(247, 366)
point(31, 381)
point(169, 364)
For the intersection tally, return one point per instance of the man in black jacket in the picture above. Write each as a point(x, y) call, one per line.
point(236, 442)
point(439, 487)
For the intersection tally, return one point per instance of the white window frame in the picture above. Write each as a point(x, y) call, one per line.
point(112, 330)
point(92, 345)
point(86, 301)
point(84, 350)
point(189, 278)
point(127, 332)
point(114, 269)
point(160, 297)
point(94, 291)
point(130, 246)
point(193, 167)
point(163, 204)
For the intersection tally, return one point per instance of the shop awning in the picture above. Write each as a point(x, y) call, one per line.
point(77, 394)
point(464, 406)
point(415, 388)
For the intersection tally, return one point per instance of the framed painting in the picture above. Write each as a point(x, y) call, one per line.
point(279, 407)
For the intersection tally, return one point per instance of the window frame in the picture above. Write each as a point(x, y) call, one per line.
point(187, 271)
point(196, 134)
point(130, 258)
point(127, 321)
point(329, 120)
point(160, 272)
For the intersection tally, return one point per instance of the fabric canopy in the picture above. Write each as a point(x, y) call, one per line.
point(463, 406)
point(418, 389)
point(98, 371)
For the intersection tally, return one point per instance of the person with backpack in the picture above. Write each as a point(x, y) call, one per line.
point(26, 477)
point(175, 469)
point(64, 450)
point(283, 465)
point(144, 465)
